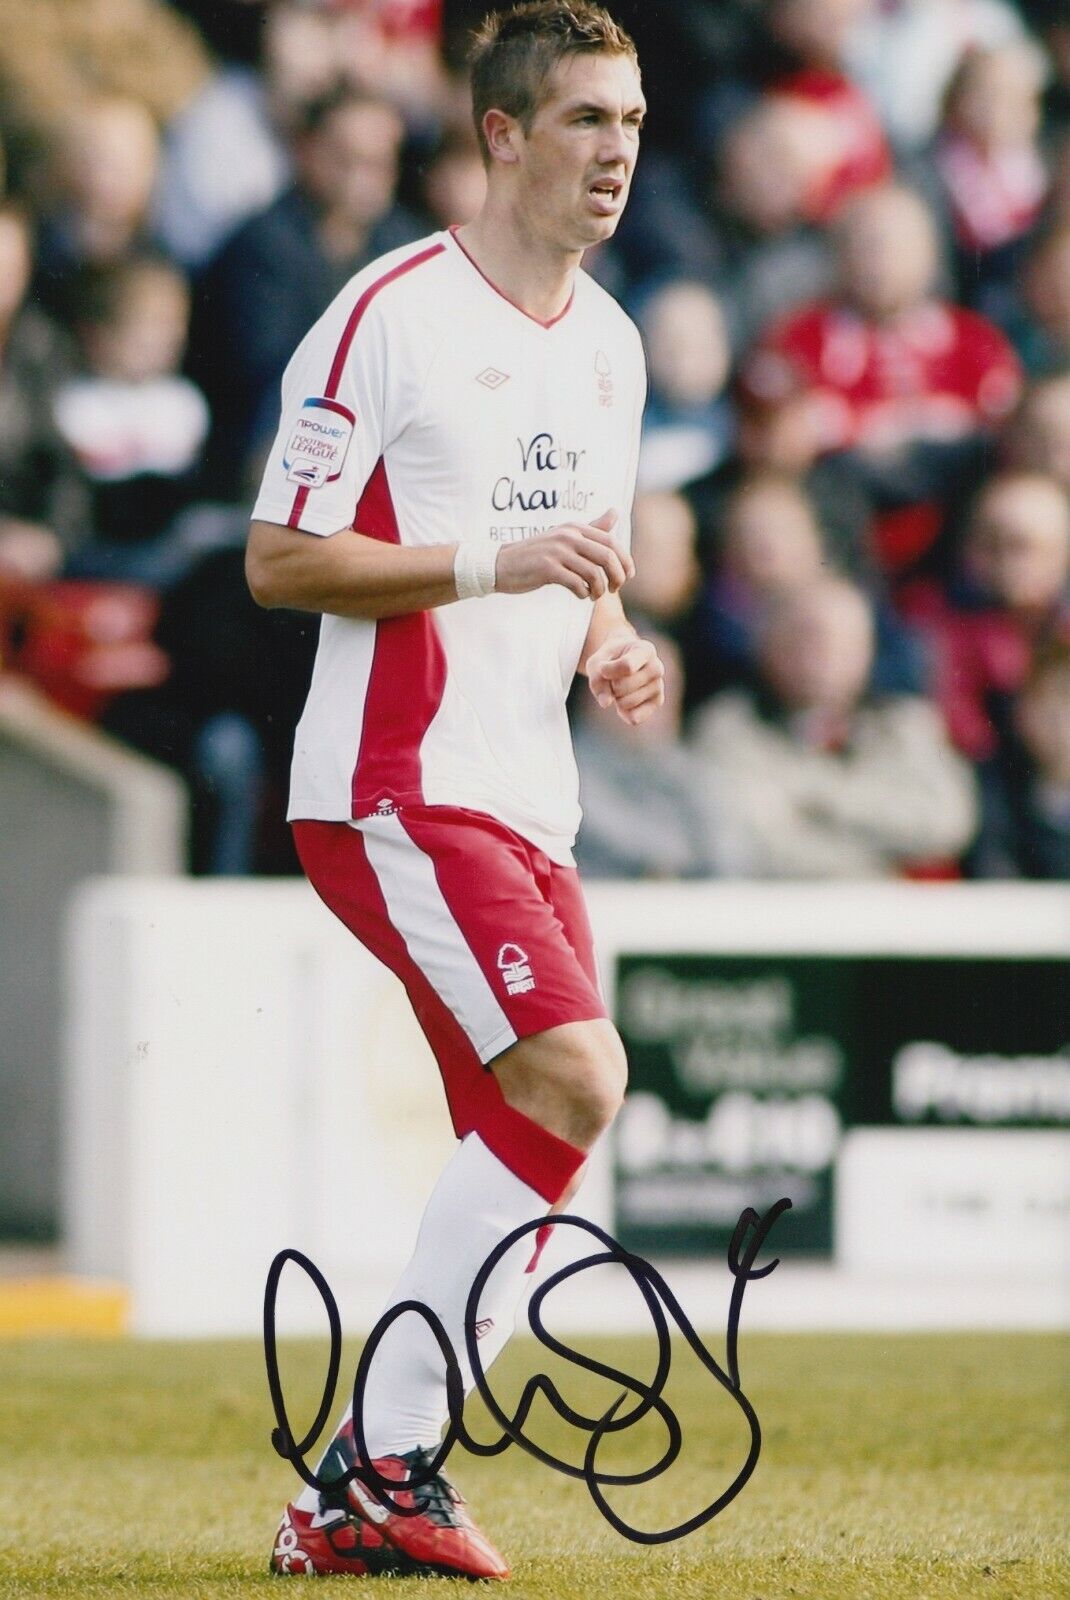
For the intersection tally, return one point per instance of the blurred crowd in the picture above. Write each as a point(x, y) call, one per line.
point(848, 250)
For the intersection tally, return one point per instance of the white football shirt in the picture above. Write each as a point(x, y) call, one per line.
point(425, 407)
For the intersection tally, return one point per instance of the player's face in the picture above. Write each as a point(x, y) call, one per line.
point(577, 160)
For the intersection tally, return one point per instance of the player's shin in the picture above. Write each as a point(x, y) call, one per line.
point(477, 1202)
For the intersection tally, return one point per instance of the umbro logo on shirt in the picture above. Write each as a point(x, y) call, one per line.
point(491, 378)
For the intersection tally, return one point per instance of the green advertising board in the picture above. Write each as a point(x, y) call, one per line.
point(745, 1071)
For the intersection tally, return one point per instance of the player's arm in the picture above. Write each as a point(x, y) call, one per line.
point(607, 620)
point(350, 575)
point(347, 574)
point(622, 669)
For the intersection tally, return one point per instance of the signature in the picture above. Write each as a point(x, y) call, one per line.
point(747, 1240)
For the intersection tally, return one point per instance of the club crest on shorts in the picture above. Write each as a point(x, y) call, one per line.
point(513, 966)
point(319, 442)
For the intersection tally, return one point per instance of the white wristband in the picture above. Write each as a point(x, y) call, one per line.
point(473, 570)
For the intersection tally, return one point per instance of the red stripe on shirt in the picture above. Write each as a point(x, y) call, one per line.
point(362, 305)
point(408, 676)
point(300, 500)
point(345, 342)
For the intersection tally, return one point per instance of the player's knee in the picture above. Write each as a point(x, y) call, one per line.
point(570, 1079)
point(597, 1091)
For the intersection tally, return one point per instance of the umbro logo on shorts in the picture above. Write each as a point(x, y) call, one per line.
point(514, 968)
point(491, 378)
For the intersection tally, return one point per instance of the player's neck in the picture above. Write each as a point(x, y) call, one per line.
point(534, 275)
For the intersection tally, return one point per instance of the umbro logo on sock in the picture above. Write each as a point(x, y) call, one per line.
point(483, 1326)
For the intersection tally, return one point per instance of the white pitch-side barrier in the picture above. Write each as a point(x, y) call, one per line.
point(243, 1078)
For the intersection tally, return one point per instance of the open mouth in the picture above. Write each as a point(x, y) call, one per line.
point(606, 192)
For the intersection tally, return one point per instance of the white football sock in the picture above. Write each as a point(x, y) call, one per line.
point(476, 1202)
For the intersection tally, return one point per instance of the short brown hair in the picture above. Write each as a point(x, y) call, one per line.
point(514, 52)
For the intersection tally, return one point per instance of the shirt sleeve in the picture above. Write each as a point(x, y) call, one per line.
point(333, 424)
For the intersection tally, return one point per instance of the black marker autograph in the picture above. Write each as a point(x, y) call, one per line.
point(742, 1253)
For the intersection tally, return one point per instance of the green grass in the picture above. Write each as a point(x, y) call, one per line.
point(930, 1466)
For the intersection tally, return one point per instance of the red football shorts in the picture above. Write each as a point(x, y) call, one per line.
point(489, 936)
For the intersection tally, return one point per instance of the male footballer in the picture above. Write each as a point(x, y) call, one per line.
point(450, 487)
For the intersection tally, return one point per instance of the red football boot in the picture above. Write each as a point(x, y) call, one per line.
point(313, 1543)
point(442, 1537)
point(354, 1532)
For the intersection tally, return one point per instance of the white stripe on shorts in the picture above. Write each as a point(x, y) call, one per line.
point(419, 912)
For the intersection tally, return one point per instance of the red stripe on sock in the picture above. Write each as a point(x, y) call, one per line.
point(536, 1156)
point(542, 1239)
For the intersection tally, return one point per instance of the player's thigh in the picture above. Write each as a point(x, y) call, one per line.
point(492, 888)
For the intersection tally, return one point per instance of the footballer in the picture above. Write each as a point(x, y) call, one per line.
point(450, 487)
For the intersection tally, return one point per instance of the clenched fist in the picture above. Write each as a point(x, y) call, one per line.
point(625, 672)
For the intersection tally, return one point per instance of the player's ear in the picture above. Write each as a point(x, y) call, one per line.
point(502, 133)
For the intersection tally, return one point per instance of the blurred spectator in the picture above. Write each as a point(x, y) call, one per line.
point(819, 778)
point(773, 259)
point(107, 169)
point(842, 143)
point(908, 383)
point(41, 504)
point(775, 435)
point(1037, 438)
point(990, 168)
point(687, 427)
point(905, 52)
point(454, 180)
point(1042, 333)
point(136, 427)
point(386, 48)
point(1025, 827)
point(651, 808)
point(664, 549)
point(391, 48)
point(769, 542)
point(201, 199)
point(887, 365)
point(1008, 598)
point(282, 269)
point(55, 54)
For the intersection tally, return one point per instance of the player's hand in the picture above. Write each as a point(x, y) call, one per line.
point(626, 672)
point(581, 556)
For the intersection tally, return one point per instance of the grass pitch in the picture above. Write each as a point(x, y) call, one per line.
point(906, 1466)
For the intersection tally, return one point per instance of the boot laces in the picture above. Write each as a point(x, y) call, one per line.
point(437, 1499)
